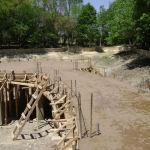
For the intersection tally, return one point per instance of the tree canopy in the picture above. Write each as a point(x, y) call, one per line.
point(47, 23)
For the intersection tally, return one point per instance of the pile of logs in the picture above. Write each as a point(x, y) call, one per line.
point(91, 69)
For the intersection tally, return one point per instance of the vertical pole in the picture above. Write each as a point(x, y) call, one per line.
point(97, 128)
point(37, 116)
point(91, 116)
point(75, 88)
point(6, 114)
point(27, 98)
point(73, 64)
point(9, 98)
point(80, 117)
point(1, 109)
point(71, 88)
point(16, 101)
point(90, 62)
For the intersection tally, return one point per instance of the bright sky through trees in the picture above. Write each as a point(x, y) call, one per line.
point(98, 3)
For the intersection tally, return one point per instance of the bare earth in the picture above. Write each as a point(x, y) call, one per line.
point(122, 112)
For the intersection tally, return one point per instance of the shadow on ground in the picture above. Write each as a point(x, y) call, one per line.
point(136, 62)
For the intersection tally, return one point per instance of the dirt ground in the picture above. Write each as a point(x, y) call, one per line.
point(122, 113)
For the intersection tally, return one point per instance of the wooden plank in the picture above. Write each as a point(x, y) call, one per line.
point(23, 116)
point(60, 128)
point(18, 125)
point(62, 111)
point(66, 135)
point(25, 84)
point(28, 105)
point(69, 143)
point(60, 99)
point(34, 96)
point(60, 120)
point(62, 106)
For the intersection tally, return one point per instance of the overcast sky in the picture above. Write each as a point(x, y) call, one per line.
point(98, 3)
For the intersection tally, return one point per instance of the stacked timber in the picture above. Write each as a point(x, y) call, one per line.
point(91, 69)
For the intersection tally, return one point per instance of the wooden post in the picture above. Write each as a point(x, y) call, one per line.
point(91, 116)
point(27, 98)
point(6, 113)
point(37, 116)
point(1, 109)
point(9, 98)
point(16, 100)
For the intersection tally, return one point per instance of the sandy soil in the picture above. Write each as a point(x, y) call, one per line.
point(122, 112)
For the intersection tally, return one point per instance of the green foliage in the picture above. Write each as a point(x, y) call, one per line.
point(44, 23)
point(142, 22)
point(87, 29)
point(120, 22)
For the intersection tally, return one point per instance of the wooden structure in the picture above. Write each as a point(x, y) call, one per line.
point(23, 91)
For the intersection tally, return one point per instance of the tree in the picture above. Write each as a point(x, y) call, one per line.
point(120, 22)
point(102, 23)
point(142, 23)
point(87, 29)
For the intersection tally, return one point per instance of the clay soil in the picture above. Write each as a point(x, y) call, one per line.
point(123, 114)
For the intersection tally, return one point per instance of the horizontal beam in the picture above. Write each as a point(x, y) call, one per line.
point(21, 83)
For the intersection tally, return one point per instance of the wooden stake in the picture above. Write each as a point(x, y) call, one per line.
point(91, 116)
point(16, 101)
point(6, 114)
point(37, 116)
point(9, 98)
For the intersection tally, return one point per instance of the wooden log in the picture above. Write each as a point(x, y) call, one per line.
point(24, 84)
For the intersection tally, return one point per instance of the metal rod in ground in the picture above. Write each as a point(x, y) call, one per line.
point(75, 88)
point(84, 123)
point(97, 128)
point(54, 75)
point(71, 88)
point(79, 110)
point(76, 64)
point(91, 116)
point(73, 64)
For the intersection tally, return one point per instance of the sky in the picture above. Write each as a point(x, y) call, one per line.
point(98, 3)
